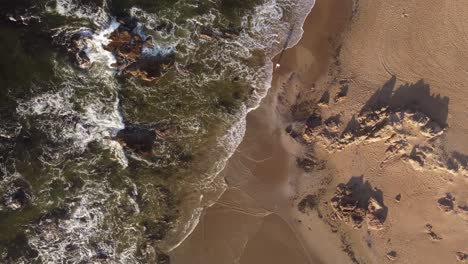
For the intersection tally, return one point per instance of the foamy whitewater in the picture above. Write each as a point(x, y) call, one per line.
point(95, 199)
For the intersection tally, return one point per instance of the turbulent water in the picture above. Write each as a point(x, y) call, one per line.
point(73, 189)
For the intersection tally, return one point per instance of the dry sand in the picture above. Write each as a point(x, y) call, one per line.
point(374, 100)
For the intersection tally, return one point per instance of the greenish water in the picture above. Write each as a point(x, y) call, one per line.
point(70, 191)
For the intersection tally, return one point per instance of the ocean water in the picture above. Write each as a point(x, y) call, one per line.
point(71, 190)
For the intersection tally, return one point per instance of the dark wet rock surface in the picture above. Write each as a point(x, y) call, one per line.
point(129, 46)
point(17, 196)
point(137, 138)
point(77, 48)
point(208, 33)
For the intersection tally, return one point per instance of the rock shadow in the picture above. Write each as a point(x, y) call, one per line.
point(356, 202)
point(416, 96)
point(362, 191)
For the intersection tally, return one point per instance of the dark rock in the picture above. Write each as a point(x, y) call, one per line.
point(163, 258)
point(128, 48)
point(101, 254)
point(446, 203)
point(342, 93)
point(325, 99)
point(309, 202)
point(432, 234)
point(398, 197)
point(392, 255)
point(208, 33)
point(18, 195)
point(156, 230)
point(71, 247)
point(150, 68)
point(138, 139)
point(313, 121)
point(309, 163)
point(462, 256)
point(77, 46)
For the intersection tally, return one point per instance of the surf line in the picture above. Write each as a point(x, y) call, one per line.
point(286, 43)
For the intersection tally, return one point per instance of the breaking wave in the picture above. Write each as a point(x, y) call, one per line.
point(123, 205)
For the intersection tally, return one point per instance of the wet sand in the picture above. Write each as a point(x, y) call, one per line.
point(252, 222)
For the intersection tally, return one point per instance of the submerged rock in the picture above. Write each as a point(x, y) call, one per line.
point(17, 196)
point(136, 55)
point(78, 46)
point(136, 138)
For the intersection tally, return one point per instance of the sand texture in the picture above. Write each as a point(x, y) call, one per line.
point(359, 154)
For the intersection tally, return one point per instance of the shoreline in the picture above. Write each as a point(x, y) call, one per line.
point(240, 126)
point(255, 191)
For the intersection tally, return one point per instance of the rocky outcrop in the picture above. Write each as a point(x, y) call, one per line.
point(77, 48)
point(17, 196)
point(209, 34)
point(356, 202)
point(139, 139)
point(135, 54)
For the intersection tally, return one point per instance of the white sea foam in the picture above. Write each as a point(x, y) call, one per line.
point(95, 46)
point(97, 14)
point(262, 21)
point(268, 30)
point(100, 119)
point(70, 236)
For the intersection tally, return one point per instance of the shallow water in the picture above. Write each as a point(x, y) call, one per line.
point(69, 189)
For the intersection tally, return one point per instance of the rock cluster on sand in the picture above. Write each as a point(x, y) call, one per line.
point(409, 135)
point(353, 208)
point(448, 204)
point(433, 236)
point(371, 126)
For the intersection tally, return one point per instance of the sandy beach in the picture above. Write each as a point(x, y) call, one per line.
point(358, 154)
